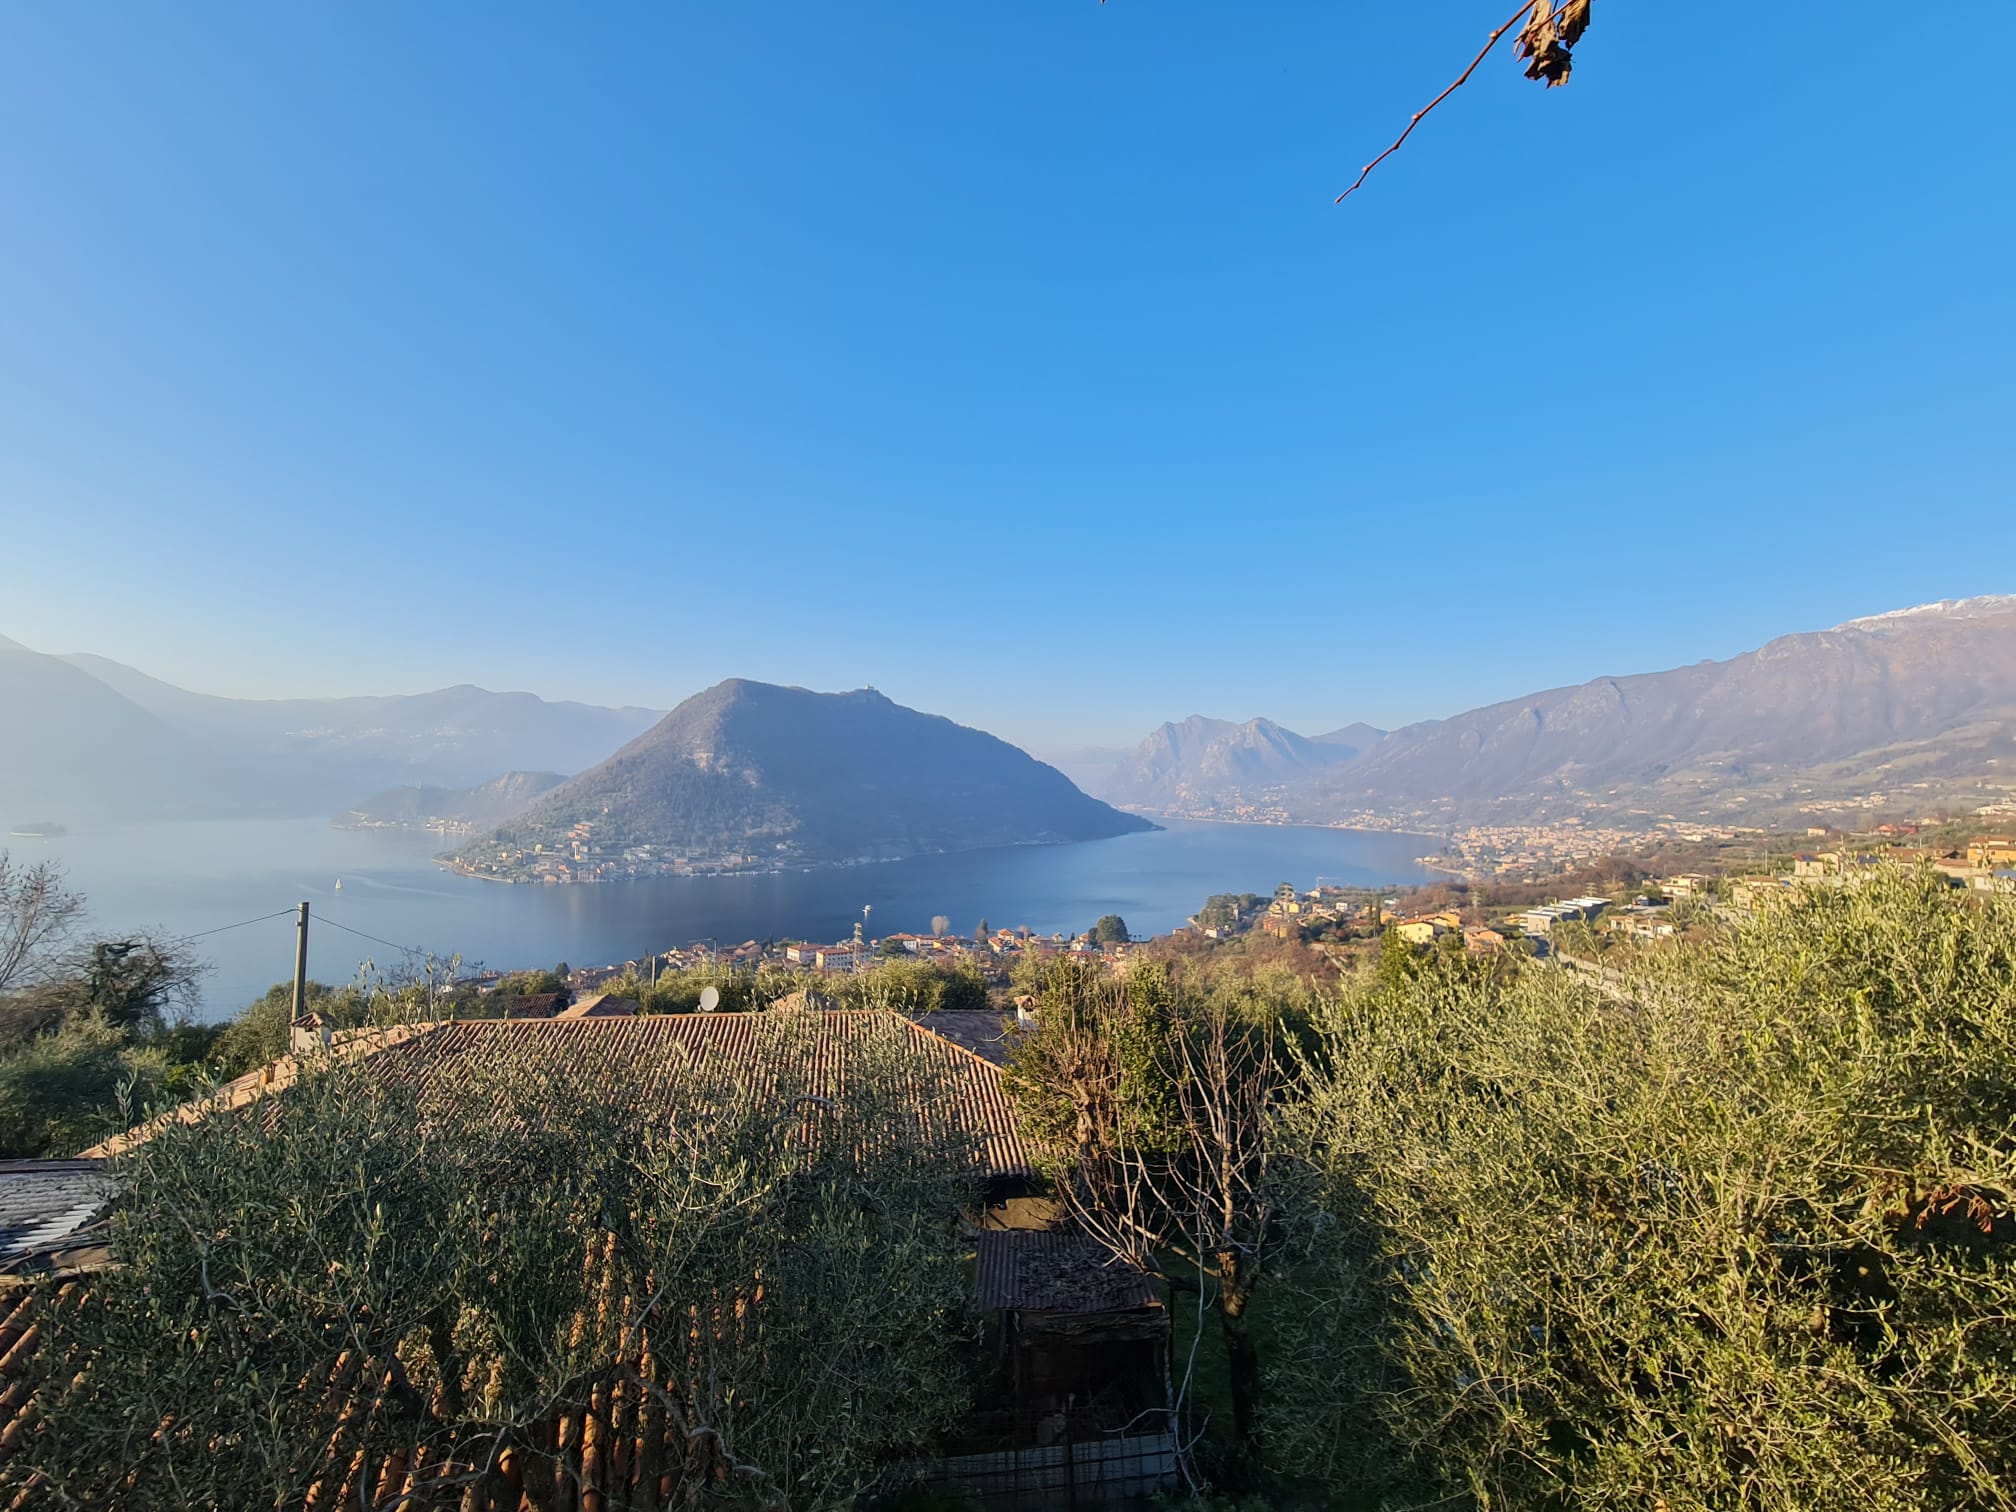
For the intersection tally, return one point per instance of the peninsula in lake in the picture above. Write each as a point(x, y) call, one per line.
point(450, 810)
point(748, 776)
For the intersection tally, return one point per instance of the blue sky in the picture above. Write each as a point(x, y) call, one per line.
point(1012, 358)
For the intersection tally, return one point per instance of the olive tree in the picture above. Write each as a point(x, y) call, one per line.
point(657, 1280)
point(1737, 1236)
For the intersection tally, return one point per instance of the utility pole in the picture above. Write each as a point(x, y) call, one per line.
point(301, 961)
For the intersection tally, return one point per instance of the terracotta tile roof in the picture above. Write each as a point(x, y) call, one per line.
point(973, 1089)
point(1036, 1270)
point(662, 1044)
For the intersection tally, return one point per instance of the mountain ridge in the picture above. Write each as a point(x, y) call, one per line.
point(1921, 700)
point(747, 774)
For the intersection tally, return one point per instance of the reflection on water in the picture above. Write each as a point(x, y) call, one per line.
point(186, 878)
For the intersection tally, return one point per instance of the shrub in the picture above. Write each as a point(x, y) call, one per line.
point(1740, 1237)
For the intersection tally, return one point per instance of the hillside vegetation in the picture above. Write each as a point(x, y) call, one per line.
point(1471, 1234)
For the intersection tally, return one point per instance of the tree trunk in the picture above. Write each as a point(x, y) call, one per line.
point(1242, 1361)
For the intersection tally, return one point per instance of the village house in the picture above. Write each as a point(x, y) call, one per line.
point(1991, 852)
point(1541, 921)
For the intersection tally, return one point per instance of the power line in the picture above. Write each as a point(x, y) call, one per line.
point(374, 939)
point(284, 913)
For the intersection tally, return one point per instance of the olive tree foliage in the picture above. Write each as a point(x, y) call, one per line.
point(1738, 1236)
point(451, 1269)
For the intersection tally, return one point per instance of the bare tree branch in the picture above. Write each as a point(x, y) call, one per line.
point(37, 914)
point(1461, 79)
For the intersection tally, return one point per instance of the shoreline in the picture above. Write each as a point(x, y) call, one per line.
point(1301, 824)
point(444, 861)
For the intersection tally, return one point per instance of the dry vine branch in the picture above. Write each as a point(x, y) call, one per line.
point(1546, 39)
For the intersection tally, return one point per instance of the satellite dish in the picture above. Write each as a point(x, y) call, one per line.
point(710, 999)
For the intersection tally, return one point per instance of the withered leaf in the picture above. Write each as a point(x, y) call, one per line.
point(1547, 36)
point(1537, 32)
point(1574, 21)
point(1551, 63)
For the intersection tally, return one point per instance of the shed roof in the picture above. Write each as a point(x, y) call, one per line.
point(47, 1207)
point(1040, 1270)
point(982, 1030)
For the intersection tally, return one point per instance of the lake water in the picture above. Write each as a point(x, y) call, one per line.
point(187, 878)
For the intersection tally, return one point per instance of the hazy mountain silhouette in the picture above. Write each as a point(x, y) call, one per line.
point(1356, 738)
point(71, 748)
point(1217, 762)
point(454, 736)
point(482, 805)
point(87, 737)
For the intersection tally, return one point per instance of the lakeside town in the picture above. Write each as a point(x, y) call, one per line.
point(1334, 925)
point(582, 856)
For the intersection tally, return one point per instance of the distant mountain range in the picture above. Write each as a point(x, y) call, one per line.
point(82, 737)
point(479, 807)
point(1913, 710)
point(748, 774)
point(1218, 763)
point(1907, 711)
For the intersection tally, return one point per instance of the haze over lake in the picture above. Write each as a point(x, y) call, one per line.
point(187, 878)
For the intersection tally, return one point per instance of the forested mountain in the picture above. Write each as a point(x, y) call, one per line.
point(485, 804)
point(788, 775)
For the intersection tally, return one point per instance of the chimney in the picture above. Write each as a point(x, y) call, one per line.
point(310, 1032)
